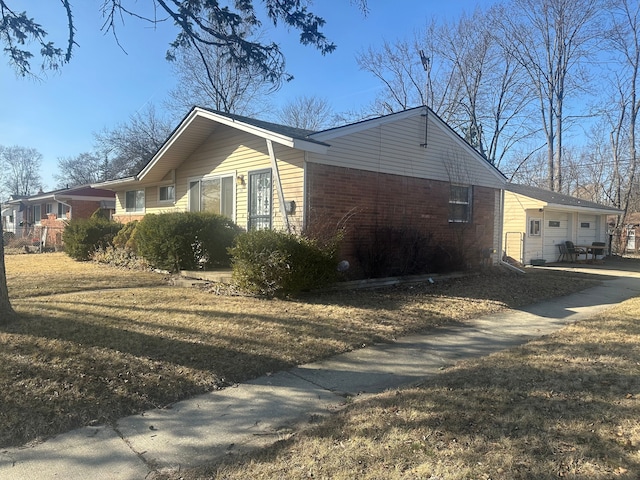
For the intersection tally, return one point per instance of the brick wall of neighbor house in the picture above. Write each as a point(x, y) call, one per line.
point(361, 201)
point(53, 228)
point(84, 208)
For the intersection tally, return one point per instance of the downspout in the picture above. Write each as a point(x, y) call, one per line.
point(276, 173)
point(501, 261)
point(65, 204)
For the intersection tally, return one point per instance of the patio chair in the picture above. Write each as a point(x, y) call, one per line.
point(563, 254)
point(574, 252)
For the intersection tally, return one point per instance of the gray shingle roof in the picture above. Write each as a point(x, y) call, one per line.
point(555, 198)
point(292, 132)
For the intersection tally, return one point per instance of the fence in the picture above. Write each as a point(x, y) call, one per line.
point(40, 237)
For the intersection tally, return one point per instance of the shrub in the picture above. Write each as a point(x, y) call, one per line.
point(84, 236)
point(185, 240)
point(272, 263)
point(394, 252)
point(125, 238)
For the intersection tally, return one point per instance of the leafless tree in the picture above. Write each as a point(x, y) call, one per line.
point(463, 73)
point(549, 39)
point(622, 113)
point(208, 79)
point(398, 68)
point(128, 147)
point(20, 168)
point(306, 112)
point(83, 169)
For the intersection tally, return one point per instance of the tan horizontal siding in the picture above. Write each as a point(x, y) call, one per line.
point(228, 151)
point(397, 148)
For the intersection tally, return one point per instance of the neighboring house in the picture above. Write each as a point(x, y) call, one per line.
point(13, 214)
point(629, 234)
point(404, 170)
point(41, 217)
point(536, 221)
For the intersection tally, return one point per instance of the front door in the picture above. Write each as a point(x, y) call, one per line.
point(260, 195)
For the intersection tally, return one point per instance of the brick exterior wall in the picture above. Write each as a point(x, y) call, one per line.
point(127, 217)
point(55, 226)
point(83, 208)
point(361, 202)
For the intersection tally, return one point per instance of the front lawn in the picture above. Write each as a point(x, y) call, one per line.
point(565, 406)
point(94, 343)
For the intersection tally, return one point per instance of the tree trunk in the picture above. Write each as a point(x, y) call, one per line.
point(6, 311)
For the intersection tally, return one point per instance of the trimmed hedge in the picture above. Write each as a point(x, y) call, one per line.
point(271, 263)
point(184, 240)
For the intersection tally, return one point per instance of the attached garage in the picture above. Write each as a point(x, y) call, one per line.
point(542, 220)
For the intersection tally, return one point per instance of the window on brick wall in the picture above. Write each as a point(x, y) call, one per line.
point(134, 201)
point(460, 204)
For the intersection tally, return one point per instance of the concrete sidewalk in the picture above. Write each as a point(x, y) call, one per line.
point(268, 408)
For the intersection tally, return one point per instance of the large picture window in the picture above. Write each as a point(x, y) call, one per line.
point(212, 194)
point(134, 201)
point(460, 204)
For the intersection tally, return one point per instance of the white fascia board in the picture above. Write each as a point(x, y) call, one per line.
point(170, 141)
point(588, 210)
point(447, 130)
point(62, 198)
point(115, 184)
point(221, 119)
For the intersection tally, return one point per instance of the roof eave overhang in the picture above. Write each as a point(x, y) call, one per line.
point(116, 184)
point(197, 112)
point(582, 209)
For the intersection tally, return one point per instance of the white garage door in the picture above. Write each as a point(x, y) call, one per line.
point(556, 231)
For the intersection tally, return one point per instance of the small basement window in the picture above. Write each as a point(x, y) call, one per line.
point(554, 223)
point(585, 225)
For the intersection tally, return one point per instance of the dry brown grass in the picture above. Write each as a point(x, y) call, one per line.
point(564, 406)
point(94, 343)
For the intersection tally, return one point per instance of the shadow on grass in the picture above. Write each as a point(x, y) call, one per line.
point(533, 413)
point(58, 373)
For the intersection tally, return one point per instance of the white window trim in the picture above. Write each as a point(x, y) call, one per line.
point(170, 201)
point(531, 220)
point(233, 174)
point(144, 193)
point(468, 203)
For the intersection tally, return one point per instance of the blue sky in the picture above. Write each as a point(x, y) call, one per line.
point(103, 86)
